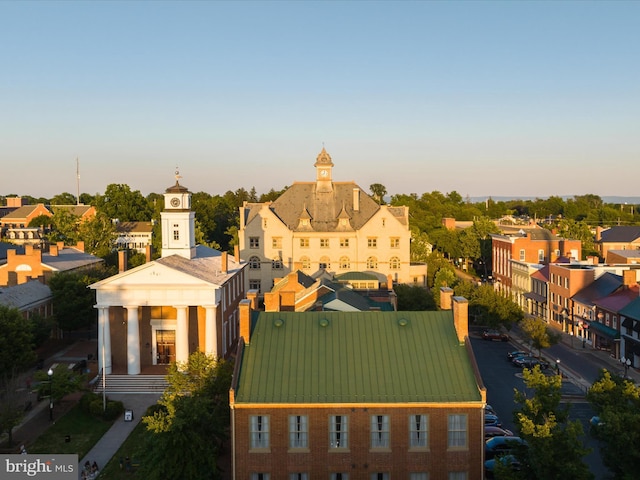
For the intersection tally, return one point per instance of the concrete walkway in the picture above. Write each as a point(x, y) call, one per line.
point(103, 451)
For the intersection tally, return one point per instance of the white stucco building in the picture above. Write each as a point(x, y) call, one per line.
point(164, 310)
point(327, 225)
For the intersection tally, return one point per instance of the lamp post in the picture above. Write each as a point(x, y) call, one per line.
point(50, 373)
point(558, 366)
point(626, 363)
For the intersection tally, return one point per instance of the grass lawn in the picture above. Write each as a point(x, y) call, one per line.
point(83, 429)
point(132, 448)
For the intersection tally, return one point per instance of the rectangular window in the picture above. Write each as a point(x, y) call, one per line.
point(379, 431)
point(259, 425)
point(566, 282)
point(418, 429)
point(254, 242)
point(457, 476)
point(372, 242)
point(260, 476)
point(419, 476)
point(304, 243)
point(324, 243)
point(254, 285)
point(540, 256)
point(522, 255)
point(379, 476)
point(298, 431)
point(339, 476)
point(176, 234)
point(298, 476)
point(394, 242)
point(457, 431)
point(344, 242)
point(338, 431)
point(276, 242)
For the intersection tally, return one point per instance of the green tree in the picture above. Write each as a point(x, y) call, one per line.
point(414, 298)
point(98, 234)
point(16, 342)
point(65, 227)
point(72, 300)
point(11, 406)
point(186, 434)
point(379, 191)
point(64, 198)
point(617, 403)
point(120, 202)
point(555, 449)
point(538, 334)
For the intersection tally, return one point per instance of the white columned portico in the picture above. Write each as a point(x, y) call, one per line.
point(211, 332)
point(182, 335)
point(133, 341)
point(104, 340)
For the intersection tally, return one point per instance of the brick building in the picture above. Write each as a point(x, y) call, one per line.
point(357, 395)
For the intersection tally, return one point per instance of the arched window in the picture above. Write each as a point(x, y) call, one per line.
point(254, 263)
point(276, 264)
point(306, 263)
point(372, 263)
point(394, 263)
point(345, 263)
point(325, 263)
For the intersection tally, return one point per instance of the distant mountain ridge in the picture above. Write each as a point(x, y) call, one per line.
point(608, 199)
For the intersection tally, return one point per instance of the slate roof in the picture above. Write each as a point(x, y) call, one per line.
point(206, 265)
point(355, 357)
point(325, 208)
point(69, 258)
point(632, 310)
point(132, 227)
point(620, 234)
point(601, 287)
point(20, 212)
point(24, 295)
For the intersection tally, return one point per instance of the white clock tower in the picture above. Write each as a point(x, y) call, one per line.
point(323, 172)
point(178, 222)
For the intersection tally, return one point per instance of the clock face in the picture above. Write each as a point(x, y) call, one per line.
point(175, 202)
point(324, 173)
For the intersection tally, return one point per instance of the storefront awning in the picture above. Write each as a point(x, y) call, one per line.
point(604, 330)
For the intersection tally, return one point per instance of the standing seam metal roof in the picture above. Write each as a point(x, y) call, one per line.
point(355, 357)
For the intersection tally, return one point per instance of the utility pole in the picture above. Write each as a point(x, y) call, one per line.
point(77, 181)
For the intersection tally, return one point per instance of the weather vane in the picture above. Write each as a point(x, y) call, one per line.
point(178, 176)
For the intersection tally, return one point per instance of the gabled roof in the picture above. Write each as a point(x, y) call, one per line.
point(355, 357)
point(134, 227)
point(24, 212)
point(69, 258)
point(541, 274)
point(77, 210)
point(601, 287)
point(632, 310)
point(620, 234)
point(24, 295)
point(618, 300)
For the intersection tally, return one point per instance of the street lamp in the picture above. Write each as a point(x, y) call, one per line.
point(50, 373)
point(626, 363)
point(558, 366)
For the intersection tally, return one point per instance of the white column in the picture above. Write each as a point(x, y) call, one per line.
point(104, 340)
point(182, 335)
point(211, 331)
point(133, 341)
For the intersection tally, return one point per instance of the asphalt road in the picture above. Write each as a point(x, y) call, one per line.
point(501, 378)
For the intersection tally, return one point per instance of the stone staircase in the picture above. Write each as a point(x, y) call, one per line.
point(134, 384)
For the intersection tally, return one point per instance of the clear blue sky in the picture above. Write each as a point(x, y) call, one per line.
point(484, 98)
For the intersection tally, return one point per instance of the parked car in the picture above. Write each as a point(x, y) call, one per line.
point(495, 335)
point(489, 409)
point(530, 362)
point(515, 354)
point(492, 420)
point(507, 460)
point(491, 431)
point(496, 446)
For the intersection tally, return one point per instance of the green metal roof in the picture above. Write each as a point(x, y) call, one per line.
point(355, 357)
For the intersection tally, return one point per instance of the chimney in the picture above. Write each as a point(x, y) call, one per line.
point(60, 246)
point(252, 296)
point(599, 233)
point(390, 283)
point(53, 250)
point(461, 317)
point(224, 262)
point(147, 252)
point(272, 301)
point(446, 294)
point(236, 253)
point(245, 320)
point(80, 246)
point(356, 199)
point(629, 278)
point(28, 250)
point(122, 261)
